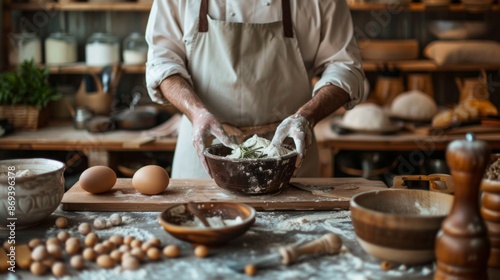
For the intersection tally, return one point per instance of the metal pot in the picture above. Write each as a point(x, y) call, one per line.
point(142, 117)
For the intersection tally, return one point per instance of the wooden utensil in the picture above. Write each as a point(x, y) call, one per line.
point(329, 243)
point(193, 208)
point(462, 246)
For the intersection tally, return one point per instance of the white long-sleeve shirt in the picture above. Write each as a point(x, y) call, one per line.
point(323, 29)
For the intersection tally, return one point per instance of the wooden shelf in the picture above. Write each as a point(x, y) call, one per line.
point(368, 66)
point(83, 6)
point(82, 68)
point(427, 65)
point(138, 7)
point(416, 7)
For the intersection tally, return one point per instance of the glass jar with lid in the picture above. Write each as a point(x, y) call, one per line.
point(24, 46)
point(102, 49)
point(135, 49)
point(60, 48)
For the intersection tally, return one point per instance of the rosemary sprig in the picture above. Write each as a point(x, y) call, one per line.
point(250, 152)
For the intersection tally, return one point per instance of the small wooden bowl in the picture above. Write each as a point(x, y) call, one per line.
point(173, 218)
point(249, 176)
point(399, 225)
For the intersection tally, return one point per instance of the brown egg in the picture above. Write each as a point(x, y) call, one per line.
point(150, 179)
point(97, 179)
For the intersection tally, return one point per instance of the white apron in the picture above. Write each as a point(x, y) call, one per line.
point(246, 74)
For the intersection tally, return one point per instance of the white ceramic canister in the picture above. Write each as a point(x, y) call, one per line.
point(102, 49)
point(135, 49)
point(24, 46)
point(60, 48)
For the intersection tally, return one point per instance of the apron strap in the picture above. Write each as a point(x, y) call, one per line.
point(203, 21)
point(287, 18)
point(286, 10)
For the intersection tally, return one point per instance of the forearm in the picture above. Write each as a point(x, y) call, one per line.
point(181, 94)
point(326, 101)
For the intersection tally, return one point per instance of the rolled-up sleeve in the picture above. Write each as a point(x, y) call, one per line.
point(338, 55)
point(166, 51)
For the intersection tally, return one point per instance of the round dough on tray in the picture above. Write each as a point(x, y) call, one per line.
point(414, 105)
point(366, 116)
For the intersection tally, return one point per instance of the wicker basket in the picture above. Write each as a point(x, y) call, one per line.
point(25, 117)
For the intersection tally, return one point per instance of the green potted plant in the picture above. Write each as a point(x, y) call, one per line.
point(25, 94)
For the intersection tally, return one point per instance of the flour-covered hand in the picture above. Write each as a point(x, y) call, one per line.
point(205, 128)
point(299, 129)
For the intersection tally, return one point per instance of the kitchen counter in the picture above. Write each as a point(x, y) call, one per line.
point(271, 230)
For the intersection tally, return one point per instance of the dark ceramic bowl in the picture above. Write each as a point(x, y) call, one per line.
point(399, 225)
point(249, 176)
point(175, 221)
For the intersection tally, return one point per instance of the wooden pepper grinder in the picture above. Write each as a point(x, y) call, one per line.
point(462, 246)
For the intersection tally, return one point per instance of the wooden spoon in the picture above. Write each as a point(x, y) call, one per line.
point(193, 208)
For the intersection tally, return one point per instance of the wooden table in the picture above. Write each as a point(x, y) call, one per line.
point(271, 230)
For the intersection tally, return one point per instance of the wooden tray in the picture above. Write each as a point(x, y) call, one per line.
point(123, 197)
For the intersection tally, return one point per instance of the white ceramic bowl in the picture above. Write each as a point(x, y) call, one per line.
point(36, 185)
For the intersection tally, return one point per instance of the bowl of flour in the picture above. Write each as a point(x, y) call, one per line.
point(255, 167)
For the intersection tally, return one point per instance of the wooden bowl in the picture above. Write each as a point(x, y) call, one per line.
point(249, 176)
point(399, 225)
point(175, 220)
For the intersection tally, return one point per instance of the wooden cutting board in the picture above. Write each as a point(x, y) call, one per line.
point(123, 197)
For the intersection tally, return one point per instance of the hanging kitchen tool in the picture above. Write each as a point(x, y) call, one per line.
point(90, 94)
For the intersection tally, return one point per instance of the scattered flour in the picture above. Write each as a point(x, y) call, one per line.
point(425, 210)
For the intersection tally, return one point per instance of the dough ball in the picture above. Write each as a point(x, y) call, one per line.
point(150, 179)
point(100, 223)
point(97, 179)
point(115, 219)
point(84, 228)
point(366, 116)
point(414, 105)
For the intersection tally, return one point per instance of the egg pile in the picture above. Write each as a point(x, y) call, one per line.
point(78, 251)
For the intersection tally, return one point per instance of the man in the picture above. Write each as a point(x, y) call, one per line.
point(250, 64)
